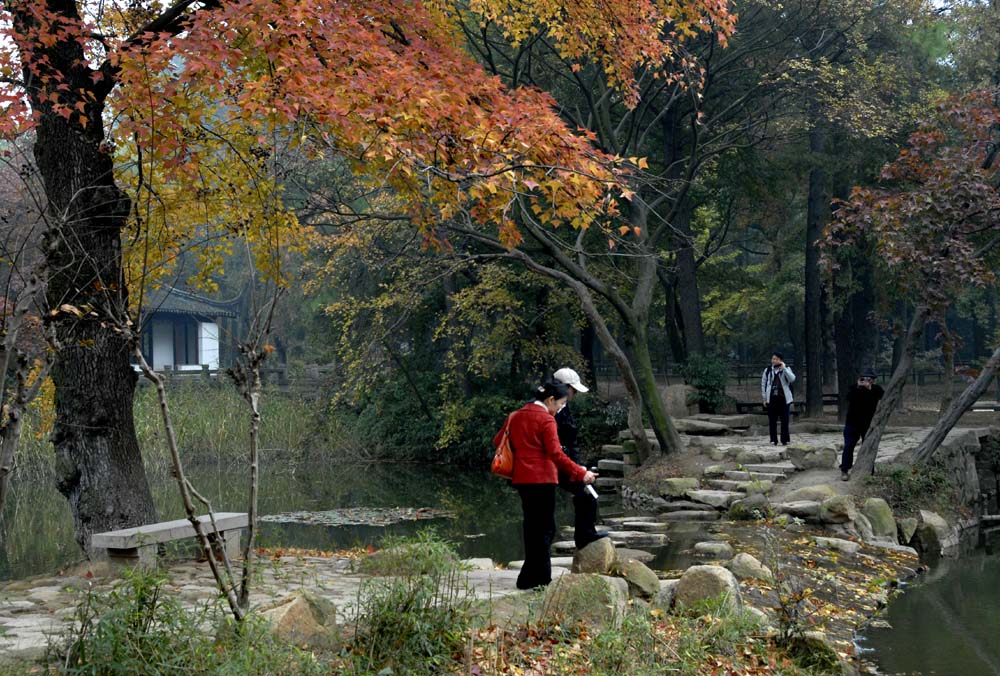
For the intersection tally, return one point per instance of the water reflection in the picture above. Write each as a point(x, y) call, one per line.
point(946, 623)
point(39, 529)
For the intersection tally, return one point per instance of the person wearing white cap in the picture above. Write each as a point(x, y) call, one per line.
point(584, 502)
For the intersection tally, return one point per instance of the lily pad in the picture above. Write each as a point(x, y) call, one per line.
point(359, 516)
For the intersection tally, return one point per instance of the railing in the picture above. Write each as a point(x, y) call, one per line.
point(311, 377)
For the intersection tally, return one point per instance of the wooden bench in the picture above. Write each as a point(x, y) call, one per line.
point(986, 406)
point(138, 546)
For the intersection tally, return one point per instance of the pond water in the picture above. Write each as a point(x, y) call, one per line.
point(946, 623)
point(487, 512)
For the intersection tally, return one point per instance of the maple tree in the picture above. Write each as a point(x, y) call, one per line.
point(934, 228)
point(139, 113)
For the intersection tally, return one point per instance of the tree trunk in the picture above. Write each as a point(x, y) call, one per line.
point(843, 336)
point(670, 317)
point(663, 426)
point(587, 349)
point(816, 210)
point(865, 463)
point(688, 294)
point(98, 462)
point(948, 355)
point(958, 407)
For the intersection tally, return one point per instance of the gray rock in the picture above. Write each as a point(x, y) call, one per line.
point(665, 597)
point(845, 546)
point(478, 564)
point(677, 487)
point(690, 515)
point(597, 557)
point(675, 399)
point(685, 506)
point(639, 538)
point(746, 566)
point(809, 457)
point(714, 471)
point(880, 516)
point(754, 506)
point(838, 509)
point(699, 427)
point(642, 582)
point(716, 454)
point(304, 619)
point(598, 600)
point(934, 536)
point(906, 528)
point(817, 493)
point(803, 509)
point(718, 499)
point(646, 526)
point(747, 457)
point(623, 553)
point(700, 583)
point(718, 550)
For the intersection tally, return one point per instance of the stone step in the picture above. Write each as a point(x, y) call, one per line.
point(776, 455)
point(612, 513)
point(612, 451)
point(612, 482)
point(741, 486)
point(645, 526)
point(685, 506)
point(637, 538)
point(612, 467)
point(689, 515)
point(717, 499)
point(561, 561)
point(785, 468)
point(737, 475)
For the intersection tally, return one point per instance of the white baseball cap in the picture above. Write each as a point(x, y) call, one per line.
point(571, 378)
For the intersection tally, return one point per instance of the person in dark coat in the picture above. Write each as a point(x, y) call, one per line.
point(862, 400)
point(538, 459)
point(584, 501)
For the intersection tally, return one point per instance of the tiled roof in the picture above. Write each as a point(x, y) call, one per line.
point(170, 300)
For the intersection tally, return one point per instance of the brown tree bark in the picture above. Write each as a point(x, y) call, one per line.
point(865, 462)
point(925, 451)
point(99, 465)
point(816, 209)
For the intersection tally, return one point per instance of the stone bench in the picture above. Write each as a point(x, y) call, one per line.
point(138, 546)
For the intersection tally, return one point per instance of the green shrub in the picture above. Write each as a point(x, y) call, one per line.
point(415, 621)
point(708, 375)
point(138, 629)
point(909, 488)
point(425, 554)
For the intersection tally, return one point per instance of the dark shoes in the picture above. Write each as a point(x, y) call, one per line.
point(845, 476)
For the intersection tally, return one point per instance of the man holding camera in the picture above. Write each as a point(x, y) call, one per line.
point(776, 390)
point(862, 400)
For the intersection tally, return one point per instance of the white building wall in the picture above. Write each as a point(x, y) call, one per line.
point(208, 344)
point(163, 344)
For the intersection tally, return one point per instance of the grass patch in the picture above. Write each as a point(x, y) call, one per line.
point(909, 488)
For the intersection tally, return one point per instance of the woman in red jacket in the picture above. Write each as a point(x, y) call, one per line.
point(538, 459)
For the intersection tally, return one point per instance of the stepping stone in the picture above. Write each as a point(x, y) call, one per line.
point(610, 466)
point(640, 555)
point(773, 456)
point(720, 550)
point(689, 515)
point(612, 452)
point(685, 506)
point(645, 526)
point(740, 486)
point(609, 482)
point(701, 427)
point(634, 537)
point(564, 546)
point(785, 467)
point(737, 475)
point(718, 499)
point(561, 561)
point(845, 546)
point(612, 513)
point(803, 509)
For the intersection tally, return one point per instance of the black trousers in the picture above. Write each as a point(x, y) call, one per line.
point(852, 435)
point(584, 512)
point(538, 506)
point(778, 409)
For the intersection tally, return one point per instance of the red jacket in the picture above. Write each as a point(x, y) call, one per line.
point(538, 456)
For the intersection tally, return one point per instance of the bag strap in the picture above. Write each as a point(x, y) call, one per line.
point(506, 429)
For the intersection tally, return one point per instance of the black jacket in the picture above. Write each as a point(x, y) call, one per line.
point(861, 403)
point(568, 433)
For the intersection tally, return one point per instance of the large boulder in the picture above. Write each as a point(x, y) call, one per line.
point(906, 528)
point(642, 582)
point(675, 399)
point(598, 600)
point(817, 493)
point(640, 555)
point(665, 597)
point(304, 620)
point(701, 583)
point(838, 509)
point(837, 544)
point(713, 549)
point(811, 457)
point(880, 516)
point(934, 536)
point(677, 487)
point(717, 499)
point(597, 557)
point(802, 509)
point(746, 566)
point(754, 506)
